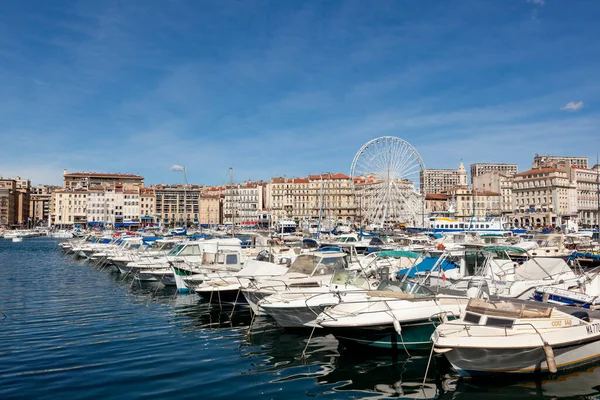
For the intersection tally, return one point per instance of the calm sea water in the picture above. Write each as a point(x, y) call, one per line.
point(71, 331)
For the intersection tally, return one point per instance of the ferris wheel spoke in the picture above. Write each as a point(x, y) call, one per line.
point(394, 167)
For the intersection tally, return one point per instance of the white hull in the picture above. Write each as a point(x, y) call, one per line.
point(482, 361)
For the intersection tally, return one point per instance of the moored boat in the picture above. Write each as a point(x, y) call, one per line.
point(515, 337)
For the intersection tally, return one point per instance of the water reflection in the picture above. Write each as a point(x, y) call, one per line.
point(582, 383)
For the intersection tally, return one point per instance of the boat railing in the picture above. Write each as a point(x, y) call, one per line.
point(460, 301)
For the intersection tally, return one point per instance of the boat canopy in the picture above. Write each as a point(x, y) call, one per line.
point(426, 265)
point(397, 254)
point(540, 268)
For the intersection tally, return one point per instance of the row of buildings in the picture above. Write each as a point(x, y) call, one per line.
point(554, 189)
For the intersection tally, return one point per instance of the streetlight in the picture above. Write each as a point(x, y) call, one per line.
point(181, 168)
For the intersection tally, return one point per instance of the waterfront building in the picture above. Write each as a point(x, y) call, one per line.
point(242, 203)
point(210, 208)
point(23, 198)
point(147, 207)
point(131, 208)
point(441, 180)
point(91, 180)
point(468, 203)
point(40, 204)
point(327, 195)
point(494, 181)
point(552, 161)
point(479, 169)
point(15, 196)
point(8, 215)
point(587, 182)
point(543, 197)
point(436, 202)
point(69, 208)
point(176, 204)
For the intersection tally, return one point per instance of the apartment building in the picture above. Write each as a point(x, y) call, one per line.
point(8, 214)
point(327, 195)
point(543, 197)
point(474, 203)
point(552, 161)
point(587, 182)
point(91, 180)
point(69, 208)
point(147, 206)
point(479, 169)
point(242, 203)
point(40, 204)
point(210, 208)
point(435, 203)
point(494, 181)
point(441, 180)
point(176, 204)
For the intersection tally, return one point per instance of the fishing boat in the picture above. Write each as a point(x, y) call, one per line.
point(493, 338)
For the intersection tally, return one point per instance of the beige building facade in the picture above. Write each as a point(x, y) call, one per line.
point(494, 181)
point(176, 205)
point(552, 161)
point(92, 180)
point(69, 208)
point(469, 203)
point(543, 197)
point(441, 180)
point(479, 169)
point(326, 195)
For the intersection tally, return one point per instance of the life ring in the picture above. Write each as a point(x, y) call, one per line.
point(440, 247)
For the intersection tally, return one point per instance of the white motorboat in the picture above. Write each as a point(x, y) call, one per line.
point(309, 270)
point(398, 316)
point(517, 337)
point(17, 239)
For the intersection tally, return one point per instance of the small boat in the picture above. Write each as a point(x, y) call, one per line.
point(17, 239)
point(518, 337)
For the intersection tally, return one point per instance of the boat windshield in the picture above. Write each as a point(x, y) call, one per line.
point(350, 278)
point(175, 250)
point(404, 287)
point(311, 264)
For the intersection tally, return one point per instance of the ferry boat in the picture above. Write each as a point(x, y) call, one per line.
point(478, 224)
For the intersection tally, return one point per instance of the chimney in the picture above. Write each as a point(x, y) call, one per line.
point(64, 172)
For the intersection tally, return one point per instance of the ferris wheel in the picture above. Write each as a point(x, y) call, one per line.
point(386, 175)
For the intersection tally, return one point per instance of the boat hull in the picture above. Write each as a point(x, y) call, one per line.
point(413, 335)
point(481, 362)
point(295, 317)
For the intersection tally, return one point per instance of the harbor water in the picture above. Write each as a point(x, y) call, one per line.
point(69, 330)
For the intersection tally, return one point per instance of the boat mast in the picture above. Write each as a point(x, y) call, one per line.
point(232, 202)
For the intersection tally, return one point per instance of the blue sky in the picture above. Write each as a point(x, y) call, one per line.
point(287, 87)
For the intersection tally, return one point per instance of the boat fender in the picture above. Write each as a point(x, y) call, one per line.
point(397, 327)
point(550, 361)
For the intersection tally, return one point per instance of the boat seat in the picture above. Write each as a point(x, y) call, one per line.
point(582, 315)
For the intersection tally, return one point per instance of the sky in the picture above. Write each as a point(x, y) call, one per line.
point(273, 88)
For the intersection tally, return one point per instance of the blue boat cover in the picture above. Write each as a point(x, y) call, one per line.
point(425, 266)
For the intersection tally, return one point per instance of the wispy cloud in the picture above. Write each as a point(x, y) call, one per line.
point(537, 2)
point(572, 106)
point(177, 168)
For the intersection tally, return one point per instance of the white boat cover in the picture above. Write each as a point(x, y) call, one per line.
point(541, 268)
